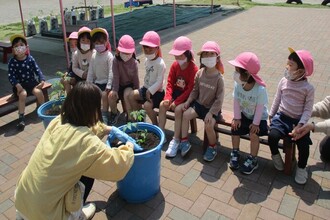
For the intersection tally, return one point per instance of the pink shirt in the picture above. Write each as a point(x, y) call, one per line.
point(294, 99)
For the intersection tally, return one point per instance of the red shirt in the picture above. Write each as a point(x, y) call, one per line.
point(181, 80)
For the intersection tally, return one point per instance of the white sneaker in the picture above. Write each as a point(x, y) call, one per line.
point(278, 162)
point(88, 211)
point(172, 148)
point(301, 176)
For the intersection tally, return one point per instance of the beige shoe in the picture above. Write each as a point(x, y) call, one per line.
point(278, 162)
point(88, 211)
point(301, 176)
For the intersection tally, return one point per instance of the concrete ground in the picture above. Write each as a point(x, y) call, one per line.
point(190, 187)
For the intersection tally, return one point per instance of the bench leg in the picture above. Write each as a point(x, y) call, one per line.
point(193, 125)
point(289, 148)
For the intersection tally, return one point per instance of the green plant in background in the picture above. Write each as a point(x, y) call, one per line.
point(138, 116)
point(58, 91)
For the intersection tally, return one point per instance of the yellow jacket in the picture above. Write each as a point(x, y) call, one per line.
point(63, 155)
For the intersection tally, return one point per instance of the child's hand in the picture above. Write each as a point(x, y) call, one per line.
point(114, 94)
point(254, 129)
point(19, 88)
point(185, 106)
point(84, 75)
point(235, 124)
point(208, 118)
point(270, 119)
point(166, 103)
point(40, 85)
point(172, 106)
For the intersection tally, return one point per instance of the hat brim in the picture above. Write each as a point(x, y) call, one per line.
point(176, 52)
point(200, 52)
point(144, 43)
point(254, 75)
point(237, 64)
point(12, 38)
point(124, 50)
point(96, 30)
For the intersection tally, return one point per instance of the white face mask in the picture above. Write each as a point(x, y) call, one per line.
point(125, 57)
point(85, 47)
point(236, 77)
point(20, 50)
point(181, 62)
point(73, 49)
point(292, 76)
point(209, 62)
point(150, 56)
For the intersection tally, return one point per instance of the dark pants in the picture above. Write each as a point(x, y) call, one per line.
point(274, 137)
point(325, 149)
point(325, 2)
point(88, 182)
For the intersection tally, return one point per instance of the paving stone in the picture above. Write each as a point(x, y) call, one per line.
point(190, 177)
point(288, 206)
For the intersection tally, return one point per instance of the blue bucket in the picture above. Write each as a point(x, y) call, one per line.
point(142, 181)
point(46, 119)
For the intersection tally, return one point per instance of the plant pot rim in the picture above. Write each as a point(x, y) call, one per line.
point(42, 108)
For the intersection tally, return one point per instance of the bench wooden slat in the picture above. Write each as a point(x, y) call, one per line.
point(9, 103)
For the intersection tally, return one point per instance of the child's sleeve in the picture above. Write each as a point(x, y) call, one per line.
point(277, 100)
point(187, 90)
point(90, 74)
point(11, 73)
point(220, 94)
point(75, 65)
point(110, 76)
point(170, 84)
point(322, 109)
point(37, 70)
point(115, 72)
point(308, 106)
point(159, 80)
point(260, 107)
point(136, 80)
point(195, 91)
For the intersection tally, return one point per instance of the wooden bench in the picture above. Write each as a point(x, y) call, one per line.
point(9, 103)
point(5, 48)
point(223, 126)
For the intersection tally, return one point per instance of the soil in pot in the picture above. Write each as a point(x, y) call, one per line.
point(54, 110)
point(151, 140)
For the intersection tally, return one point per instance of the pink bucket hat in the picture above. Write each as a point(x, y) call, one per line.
point(126, 44)
point(151, 39)
point(250, 62)
point(181, 45)
point(306, 58)
point(210, 46)
point(84, 30)
point(73, 35)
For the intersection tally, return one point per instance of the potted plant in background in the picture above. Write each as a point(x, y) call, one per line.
point(142, 182)
point(49, 110)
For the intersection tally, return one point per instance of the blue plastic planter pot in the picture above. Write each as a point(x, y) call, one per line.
point(44, 107)
point(142, 181)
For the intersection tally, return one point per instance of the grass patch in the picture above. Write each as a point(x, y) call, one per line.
point(16, 28)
